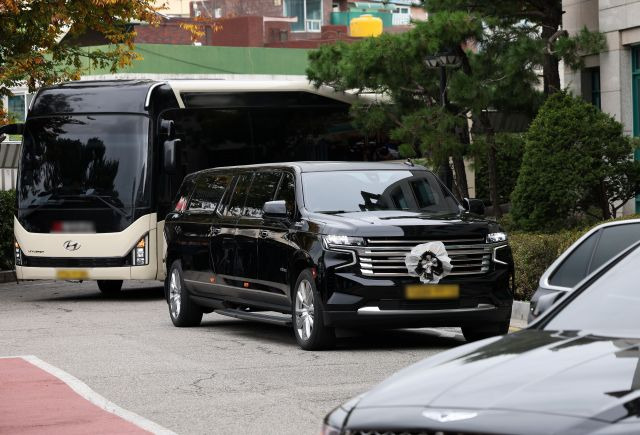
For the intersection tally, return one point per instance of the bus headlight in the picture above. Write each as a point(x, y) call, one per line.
point(140, 254)
point(18, 252)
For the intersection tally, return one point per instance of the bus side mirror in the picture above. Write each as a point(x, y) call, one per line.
point(8, 129)
point(475, 206)
point(171, 155)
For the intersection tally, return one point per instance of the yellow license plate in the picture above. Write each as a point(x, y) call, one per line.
point(432, 291)
point(72, 274)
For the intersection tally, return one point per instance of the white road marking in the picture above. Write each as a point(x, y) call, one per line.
point(88, 394)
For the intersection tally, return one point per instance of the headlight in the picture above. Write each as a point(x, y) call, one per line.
point(18, 253)
point(140, 253)
point(496, 237)
point(333, 240)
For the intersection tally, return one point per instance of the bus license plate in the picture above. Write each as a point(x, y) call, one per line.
point(72, 274)
point(432, 291)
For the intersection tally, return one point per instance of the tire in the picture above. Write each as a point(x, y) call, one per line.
point(110, 287)
point(182, 310)
point(307, 315)
point(480, 332)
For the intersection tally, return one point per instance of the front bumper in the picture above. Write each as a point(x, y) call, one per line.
point(352, 300)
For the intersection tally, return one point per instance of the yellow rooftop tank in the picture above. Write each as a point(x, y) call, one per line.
point(365, 26)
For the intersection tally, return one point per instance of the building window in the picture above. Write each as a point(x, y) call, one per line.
point(17, 108)
point(595, 87)
point(308, 12)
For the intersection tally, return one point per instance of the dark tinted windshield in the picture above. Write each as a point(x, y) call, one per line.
point(610, 306)
point(93, 161)
point(354, 191)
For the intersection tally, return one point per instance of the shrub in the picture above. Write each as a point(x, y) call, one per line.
point(576, 163)
point(7, 211)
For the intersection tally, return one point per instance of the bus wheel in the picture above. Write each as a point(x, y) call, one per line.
point(183, 311)
point(111, 287)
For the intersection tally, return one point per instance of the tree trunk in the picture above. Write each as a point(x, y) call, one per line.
point(460, 176)
point(491, 164)
point(551, 63)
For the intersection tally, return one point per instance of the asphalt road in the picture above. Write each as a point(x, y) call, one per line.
point(227, 376)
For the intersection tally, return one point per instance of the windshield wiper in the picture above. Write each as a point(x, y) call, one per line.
point(99, 198)
point(332, 211)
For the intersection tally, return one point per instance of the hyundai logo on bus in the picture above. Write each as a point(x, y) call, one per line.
point(70, 245)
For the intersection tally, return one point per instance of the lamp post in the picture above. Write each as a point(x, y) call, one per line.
point(443, 60)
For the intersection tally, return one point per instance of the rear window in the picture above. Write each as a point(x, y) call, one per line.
point(208, 192)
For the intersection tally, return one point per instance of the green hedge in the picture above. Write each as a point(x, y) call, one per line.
point(533, 253)
point(7, 210)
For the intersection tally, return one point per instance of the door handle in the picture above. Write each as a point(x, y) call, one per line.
point(264, 234)
point(214, 231)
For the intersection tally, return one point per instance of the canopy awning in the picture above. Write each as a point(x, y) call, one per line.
point(9, 155)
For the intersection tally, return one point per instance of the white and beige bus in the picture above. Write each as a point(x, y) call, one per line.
point(102, 161)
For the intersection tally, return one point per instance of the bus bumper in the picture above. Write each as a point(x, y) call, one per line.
point(148, 272)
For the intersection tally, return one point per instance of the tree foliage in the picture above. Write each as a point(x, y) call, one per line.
point(577, 162)
point(498, 76)
point(31, 31)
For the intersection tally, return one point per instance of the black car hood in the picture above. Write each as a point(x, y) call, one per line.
point(403, 224)
point(531, 371)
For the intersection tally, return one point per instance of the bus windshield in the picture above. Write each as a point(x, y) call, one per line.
point(84, 162)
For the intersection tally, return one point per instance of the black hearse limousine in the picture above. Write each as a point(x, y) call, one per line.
point(335, 244)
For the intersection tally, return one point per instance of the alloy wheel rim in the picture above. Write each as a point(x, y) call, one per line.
point(304, 310)
point(174, 294)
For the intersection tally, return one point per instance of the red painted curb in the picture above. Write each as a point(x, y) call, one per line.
point(33, 401)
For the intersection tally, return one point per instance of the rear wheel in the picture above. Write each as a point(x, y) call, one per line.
point(480, 332)
point(110, 287)
point(308, 321)
point(182, 310)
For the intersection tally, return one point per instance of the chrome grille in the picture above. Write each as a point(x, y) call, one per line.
point(385, 258)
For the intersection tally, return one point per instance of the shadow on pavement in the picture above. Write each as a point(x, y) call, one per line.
point(88, 294)
point(352, 340)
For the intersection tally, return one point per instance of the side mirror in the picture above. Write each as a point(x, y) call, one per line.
point(8, 129)
point(171, 155)
point(275, 210)
point(475, 206)
point(545, 302)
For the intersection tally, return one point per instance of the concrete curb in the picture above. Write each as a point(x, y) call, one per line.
point(7, 276)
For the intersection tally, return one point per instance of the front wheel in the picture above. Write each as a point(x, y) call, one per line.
point(480, 332)
point(110, 287)
point(308, 321)
point(182, 310)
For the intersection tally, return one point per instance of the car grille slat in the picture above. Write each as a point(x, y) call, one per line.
point(386, 257)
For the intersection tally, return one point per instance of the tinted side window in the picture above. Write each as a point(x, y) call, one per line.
point(574, 267)
point(208, 192)
point(236, 205)
point(613, 241)
point(185, 190)
point(287, 192)
point(262, 190)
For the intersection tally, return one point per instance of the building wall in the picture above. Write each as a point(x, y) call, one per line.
point(619, 21)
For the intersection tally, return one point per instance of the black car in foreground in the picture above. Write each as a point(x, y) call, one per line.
point(576, 370)
point(327, 245)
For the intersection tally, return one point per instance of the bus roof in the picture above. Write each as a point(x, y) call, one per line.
point(133, 96)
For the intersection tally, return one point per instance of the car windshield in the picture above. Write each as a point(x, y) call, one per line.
point(92, 161)
point(367, 190)
point(610, 306)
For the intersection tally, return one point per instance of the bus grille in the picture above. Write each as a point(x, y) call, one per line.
point(76, 262)
point(386, 257)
